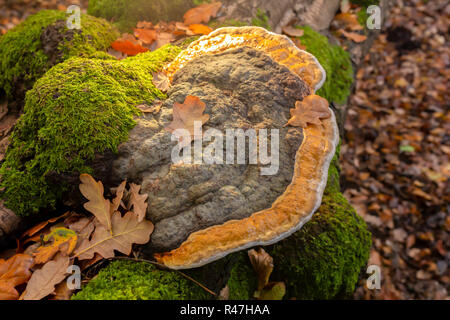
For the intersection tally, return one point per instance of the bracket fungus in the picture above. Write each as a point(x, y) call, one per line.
point(248, 78)
point(280, 48)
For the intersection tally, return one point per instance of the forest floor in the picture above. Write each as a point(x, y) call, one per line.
point(395, 157)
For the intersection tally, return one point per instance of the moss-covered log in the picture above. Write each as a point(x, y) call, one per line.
point(43, 40)
point(80, 108)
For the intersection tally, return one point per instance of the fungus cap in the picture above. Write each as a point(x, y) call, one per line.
point(279, 47)
point(304, 194)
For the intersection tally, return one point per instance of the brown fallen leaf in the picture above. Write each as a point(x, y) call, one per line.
point(349, 20)
point(126, 231)
point(43, 281)
point(358, 38)
point(310, 110)
point(202, 14)
point(13, 272)
point(262, 263)
point(163, 39)
point(184, 28)
point(144, 25)
point(97, 204)
point(200, 29)
point(293, 32)
point(161, 81)
point(155, 108)
point(118, 199)
point(147, 36)
point(137, 202)
point(62, 239)
point(184, 117)
point(62, 292)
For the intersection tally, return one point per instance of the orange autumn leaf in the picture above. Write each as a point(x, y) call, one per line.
point(184, 117)
point(310, 110)
point(200, 29)
point(202, 14)
point(147, 36)
point(13, 272)
point(128, 45)
point(61, 239)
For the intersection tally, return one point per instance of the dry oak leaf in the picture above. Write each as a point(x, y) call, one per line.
point(184, 117)
point(163, 39)
point(202, 14)
point(128, 45)
point(200, 29)
point(356, 37)
point(43, 281)
point(310, 110)
point(262, 263)
point(155, 108)
point(126, 231)
point(161, 81)
point(13, 272)
point(64, 240)
point(118, 199)
point(137, 201)
point(97, 204)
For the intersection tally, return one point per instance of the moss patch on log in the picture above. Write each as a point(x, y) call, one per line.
point(43, 40)
point(79, 108)
point(128, 280)
point(127, 13)
point(336, 62)
point(321, 261)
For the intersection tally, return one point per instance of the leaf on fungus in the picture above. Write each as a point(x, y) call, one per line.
point(184, 117)
point(137, 202)
point(43, 281)
point(262, 263)
point(202, 14)
point(310, 110)
point(62, 239)
point(97, 204)
point(126, 231)
point(13, 272)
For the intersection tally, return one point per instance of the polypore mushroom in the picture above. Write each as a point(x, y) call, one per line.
point(280, 48)
point(302, 197)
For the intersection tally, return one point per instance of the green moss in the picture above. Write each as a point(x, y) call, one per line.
point(336, 62)
point(324, 259)
point(243, 281)
point(23, 58)
point(261, 20)
point(80, 107)
point(128, 280)
point(126, 13)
